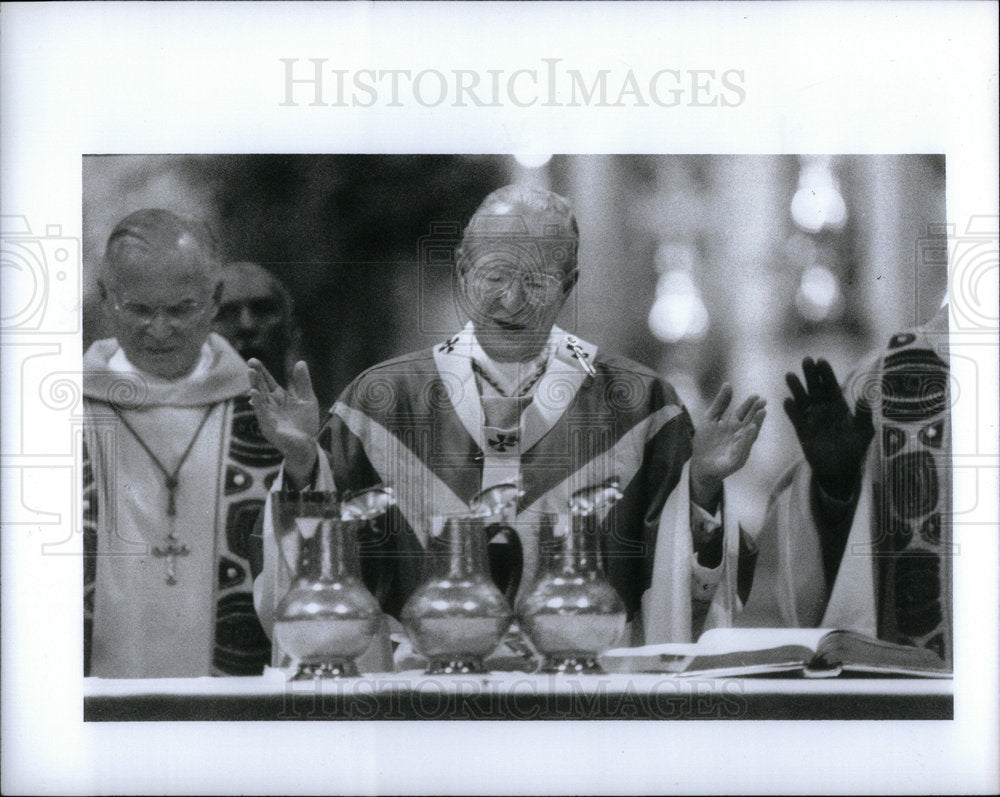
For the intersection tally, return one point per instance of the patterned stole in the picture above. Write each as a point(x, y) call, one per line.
point(240, 646)
point(502, 415)
point(913, 493)
point(89, 499)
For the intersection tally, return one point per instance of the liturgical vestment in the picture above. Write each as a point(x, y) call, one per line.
point(894, 579)
point(136, 623)
point(417, 424)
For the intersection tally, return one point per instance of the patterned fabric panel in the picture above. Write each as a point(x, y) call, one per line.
point(240, 519)
point(241, 646)
point(248, 446)
point(90, 515)
point(915, 555)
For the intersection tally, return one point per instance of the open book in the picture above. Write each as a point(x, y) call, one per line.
point(813, 652)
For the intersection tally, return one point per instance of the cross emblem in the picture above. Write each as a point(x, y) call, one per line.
point(580, 355)
point(503, 441)
point(171, 552)
point(449, 345)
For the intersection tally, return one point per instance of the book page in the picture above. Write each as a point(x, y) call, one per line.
point(729, 640)
point(661, 649)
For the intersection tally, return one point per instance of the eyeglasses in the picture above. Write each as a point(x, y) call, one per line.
point(492, 282)
point(177, 315)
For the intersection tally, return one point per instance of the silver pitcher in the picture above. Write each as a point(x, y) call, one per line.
point(458, 616)
point(572, 613)
point(328, 617)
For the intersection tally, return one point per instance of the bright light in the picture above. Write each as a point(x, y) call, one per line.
point(532, 160)
point(817, 203)
point(816, 208)
point(818, 295)
point(678, 312)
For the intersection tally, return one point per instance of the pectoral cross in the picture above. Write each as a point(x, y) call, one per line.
point(580, 355)
point(171, 552)
point(173, 548)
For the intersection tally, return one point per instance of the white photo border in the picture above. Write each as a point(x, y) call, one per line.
point(101, 78)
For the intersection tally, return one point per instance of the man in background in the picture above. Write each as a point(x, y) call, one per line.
point(512, 398)
point(175, 469)
point(257, 317)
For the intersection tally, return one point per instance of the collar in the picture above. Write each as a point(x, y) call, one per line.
point(108, 376)
point(569, 367)
point(120, 363)
point(513, 378)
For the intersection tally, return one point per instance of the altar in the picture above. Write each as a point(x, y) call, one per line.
point(516, 696)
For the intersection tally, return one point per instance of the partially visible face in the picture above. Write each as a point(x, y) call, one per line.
point(160, 305)
point(513, 289)
point(252, 317)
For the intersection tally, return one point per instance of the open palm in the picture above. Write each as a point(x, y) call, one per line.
point(834, 439)
point(289, 419)
point(723, 439)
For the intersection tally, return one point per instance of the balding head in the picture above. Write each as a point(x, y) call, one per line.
point(155, 239)
point(160, 283)
point(526, 215)
point(517, 266)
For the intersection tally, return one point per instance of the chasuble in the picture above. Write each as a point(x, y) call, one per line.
point(425, 426)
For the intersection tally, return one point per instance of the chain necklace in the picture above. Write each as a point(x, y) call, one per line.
point(172, 549)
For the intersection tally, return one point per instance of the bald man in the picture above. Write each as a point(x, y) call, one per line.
point(175, 469)
point(514, 398)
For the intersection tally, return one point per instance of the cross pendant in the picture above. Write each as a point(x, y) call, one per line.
point(581, 356)
point(171, 552)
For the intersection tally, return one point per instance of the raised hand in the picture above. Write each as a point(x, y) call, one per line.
point(289, 419)
point(722, 443)
point(833, 439)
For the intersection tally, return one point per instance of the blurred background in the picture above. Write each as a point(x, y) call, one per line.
point(705, 268)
